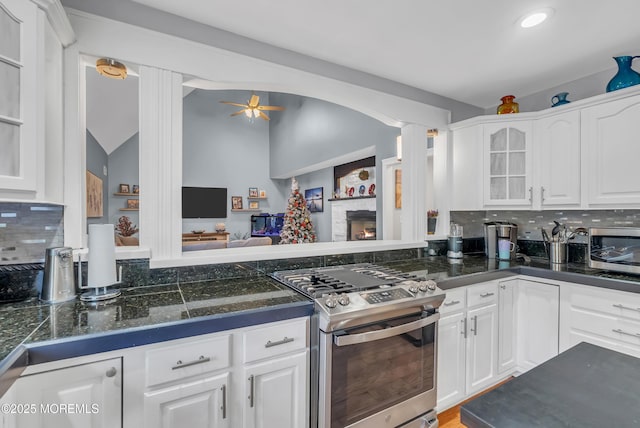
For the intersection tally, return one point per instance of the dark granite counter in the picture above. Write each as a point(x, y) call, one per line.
point(585, 386)
point(473, 268)
point(141, 315)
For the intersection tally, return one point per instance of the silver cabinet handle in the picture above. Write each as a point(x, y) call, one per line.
point(464, 331)
point(541, 195)
point(475, 326)
point(286, 339)
point(181, 365)
point(626, 307)
point(617, 330)
point(111, 372)
point(531, 194)
point(486, 294)
point(504, 287)
point(451, 303)
point(251, 383)
point(224, 401)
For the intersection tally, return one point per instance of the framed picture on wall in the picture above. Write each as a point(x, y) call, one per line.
point(236, 202)
point(263, 193)
point(313, 198)
point(136, 189)
point(123, 188)
point(94, 196)
point(253, 205)
point(253, 192)
point(133, 203)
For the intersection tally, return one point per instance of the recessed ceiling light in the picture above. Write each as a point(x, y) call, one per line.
point(534, 18)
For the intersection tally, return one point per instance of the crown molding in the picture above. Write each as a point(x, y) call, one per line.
point(58, 19)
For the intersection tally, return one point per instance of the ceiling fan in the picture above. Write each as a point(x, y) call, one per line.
point(253, 108)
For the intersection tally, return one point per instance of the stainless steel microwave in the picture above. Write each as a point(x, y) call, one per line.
point(615, 248)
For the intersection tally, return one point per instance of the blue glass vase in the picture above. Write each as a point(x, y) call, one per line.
point(625, 76)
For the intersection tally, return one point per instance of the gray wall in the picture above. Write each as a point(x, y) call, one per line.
point(311, 131)
point(97, 159)
point(231, 152)
point(123, 169)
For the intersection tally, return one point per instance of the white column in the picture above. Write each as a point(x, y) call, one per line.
point(414, 182)
point(161, 162)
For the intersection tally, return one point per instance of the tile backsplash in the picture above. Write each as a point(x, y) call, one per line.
point(530, 222)
point(27, 230)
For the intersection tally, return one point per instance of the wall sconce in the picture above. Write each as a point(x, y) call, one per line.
point(399, 147)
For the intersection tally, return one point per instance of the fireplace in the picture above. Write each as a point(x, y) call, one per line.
point(361, 225)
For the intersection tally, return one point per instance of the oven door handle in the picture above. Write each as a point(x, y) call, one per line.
point(353, 339)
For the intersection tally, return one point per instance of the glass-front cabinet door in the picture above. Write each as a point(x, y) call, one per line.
point(507, 165)
point(17, 95)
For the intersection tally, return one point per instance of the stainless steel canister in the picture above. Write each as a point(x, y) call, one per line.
point(558, 252)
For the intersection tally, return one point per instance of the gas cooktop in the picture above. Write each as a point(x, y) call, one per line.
point(316, 282)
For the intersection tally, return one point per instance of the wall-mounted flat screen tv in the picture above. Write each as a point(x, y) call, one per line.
point(204, 202)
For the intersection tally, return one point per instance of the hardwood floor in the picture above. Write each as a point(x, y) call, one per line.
point(450, 418)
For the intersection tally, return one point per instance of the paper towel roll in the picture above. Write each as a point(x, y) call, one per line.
point(102, 256)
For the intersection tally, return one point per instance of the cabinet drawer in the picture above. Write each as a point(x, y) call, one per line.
point(612, 302)
point(615, 329)
point(187, 359)
point(482, 294)
point(455, 300)
point(275, 339)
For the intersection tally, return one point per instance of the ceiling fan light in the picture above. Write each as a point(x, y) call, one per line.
point(111, 68)
point(248, 112)
point(256, 113)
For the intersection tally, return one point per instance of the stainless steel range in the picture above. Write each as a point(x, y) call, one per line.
point(373, 345)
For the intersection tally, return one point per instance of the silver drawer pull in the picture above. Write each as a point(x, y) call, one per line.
point(486, 294)
point(181, 365)
point(626, 307)
point(617, 330)
point(286, 339)
point(451, 303)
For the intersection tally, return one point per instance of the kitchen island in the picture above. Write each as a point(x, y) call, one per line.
point(585, 386)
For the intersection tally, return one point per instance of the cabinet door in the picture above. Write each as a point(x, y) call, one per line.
point(18, 19)
point(276, 393)
point(466, 168)
point(537, 326)
point(482, 347)
point(507, 164)
point(507, 326)
point(197, 404)
point(557, 141)
point(451, 363)
point(610, 135)
point(83, 396)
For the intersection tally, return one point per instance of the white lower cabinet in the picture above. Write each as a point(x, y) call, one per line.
point(82, 396)
point(507, 339)
point(467, 342)
point(251, 377)
point(276, 393)
point(603, 317)
point(537, 314)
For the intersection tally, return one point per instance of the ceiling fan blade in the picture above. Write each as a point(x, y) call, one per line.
point(262, 115)
point(238, 112)
point(276, 108)
point(254, 101)
point(234, 104)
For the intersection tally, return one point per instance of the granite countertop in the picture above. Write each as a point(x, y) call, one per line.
point(143, 315)
point(585, 386)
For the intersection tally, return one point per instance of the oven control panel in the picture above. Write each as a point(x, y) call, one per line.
point(385, 295)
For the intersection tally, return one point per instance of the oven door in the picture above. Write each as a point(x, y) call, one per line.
point(382, 374)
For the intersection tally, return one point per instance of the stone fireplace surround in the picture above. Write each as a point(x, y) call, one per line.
point(339, 210)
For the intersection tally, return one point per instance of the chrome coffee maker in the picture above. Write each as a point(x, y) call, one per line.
point(500, 240)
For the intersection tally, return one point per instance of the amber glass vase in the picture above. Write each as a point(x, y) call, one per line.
point(508, 105)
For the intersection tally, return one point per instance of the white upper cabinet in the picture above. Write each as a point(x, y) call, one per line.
point(18, 47)
point(557, 152)
point(507, 164)
point(610, 139)
point(577, 156)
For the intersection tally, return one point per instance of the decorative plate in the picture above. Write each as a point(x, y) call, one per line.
point(351, 191)
point(361, 189)
point(372, 189)
point(364, 175)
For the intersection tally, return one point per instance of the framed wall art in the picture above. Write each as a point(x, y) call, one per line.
point(94, 196)
point(313, 198)
point(236, 202)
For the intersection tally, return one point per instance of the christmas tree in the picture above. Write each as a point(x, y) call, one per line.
point(297, 228)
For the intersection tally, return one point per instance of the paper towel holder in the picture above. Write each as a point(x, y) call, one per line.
point(98, 294)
